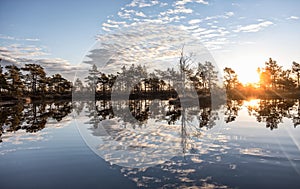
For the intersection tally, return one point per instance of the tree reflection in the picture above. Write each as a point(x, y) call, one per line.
point(31, 117)
point(35, 117)
point(232, 109)
point(296, 116)
point(142, 110)
point(144, 113)
point(272, 111)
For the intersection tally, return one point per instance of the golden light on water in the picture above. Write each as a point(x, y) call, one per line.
point(252, 103)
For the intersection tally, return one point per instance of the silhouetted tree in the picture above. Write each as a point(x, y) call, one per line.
point(231, 79)
point(60, 84)
point(3, 83)
point(274, 70)
point(14, 79)
point(93, 78)
point(78, 85)
point(36, 78)
point(103, 80)
point(296, 70)
point(285, 82)
point(210, 75)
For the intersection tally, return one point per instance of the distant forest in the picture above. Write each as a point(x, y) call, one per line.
point(32, 81)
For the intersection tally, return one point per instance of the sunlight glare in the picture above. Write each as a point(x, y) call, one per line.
point(246, 79)
point(252, 103)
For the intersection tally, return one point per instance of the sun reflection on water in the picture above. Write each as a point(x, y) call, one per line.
point(252, 103)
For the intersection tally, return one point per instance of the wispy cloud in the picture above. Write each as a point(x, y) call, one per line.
point(214, 30)
point(110, 25)
point(143, 3)
point(19, 55)
point(293, 18)
point(195, 21)
point(183, 2)
point(154, 45)
point(202, 2)
point(254, 27)
point(7, 37)
point(226, 15)
point(175, 14)
point(177, 10)
point(229, 14)
point(140, 14)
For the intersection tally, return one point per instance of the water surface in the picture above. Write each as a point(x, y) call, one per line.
point(242, 144)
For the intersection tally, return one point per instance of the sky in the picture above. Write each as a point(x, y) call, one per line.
point(238, 34)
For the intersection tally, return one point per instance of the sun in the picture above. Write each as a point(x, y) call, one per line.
point(247, 77)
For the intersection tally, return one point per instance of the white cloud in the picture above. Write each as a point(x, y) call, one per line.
point(254, 27)
point(177, 10)
point(183, 2)
point(6, 37)
point(143, 3)
point(168, 19)
point(20, 51)
point(207, 32)
point(189, 27)
point(226, 15)
point(106, 25)
point(198, 30)
point(129, 14)
point(293, 18)
point(140, 14)
point(202, 2)
point(142, 43)
point(163, 4)
point(115, 22)
point(229, 14)
point(20, 54)
point(195, 21)
point(126, 14)
point(106, 29)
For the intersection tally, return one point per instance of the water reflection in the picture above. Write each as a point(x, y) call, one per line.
point(180, 153)
point(273, 111)
point(270, 111)
point(33, 117)
point(232, 109)
point(177, 147)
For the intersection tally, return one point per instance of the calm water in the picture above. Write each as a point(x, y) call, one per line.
point(154, 144)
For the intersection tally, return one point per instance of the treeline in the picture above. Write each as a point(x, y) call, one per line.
point(274, 82)
point(32, 81)
point(158, 83)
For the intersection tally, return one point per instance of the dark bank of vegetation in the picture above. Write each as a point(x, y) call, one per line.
point(158, 84)
point(32, 82)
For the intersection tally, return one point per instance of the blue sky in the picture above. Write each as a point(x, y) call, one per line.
point(239, 34)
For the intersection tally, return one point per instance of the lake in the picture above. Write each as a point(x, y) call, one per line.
point(150, 144)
